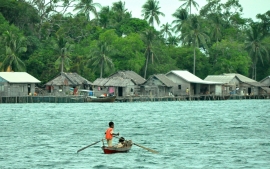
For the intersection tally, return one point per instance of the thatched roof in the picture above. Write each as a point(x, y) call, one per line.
point(113, 81)
point(137, 79)
point(100, 81)
point(119, 81)
point(68, 79)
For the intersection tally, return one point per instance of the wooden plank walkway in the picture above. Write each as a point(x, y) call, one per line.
point(81, 99)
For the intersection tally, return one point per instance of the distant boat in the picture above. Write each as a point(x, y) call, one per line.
point(100, 99)
point(89, 96)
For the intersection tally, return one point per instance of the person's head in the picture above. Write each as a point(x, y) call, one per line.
point(111, 124)
point(121, 139)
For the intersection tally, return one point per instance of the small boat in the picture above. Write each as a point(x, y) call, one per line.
point(90, 97)
point(111, 150)
point(101, 99)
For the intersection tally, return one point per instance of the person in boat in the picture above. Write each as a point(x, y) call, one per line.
point(121, 142)
point(109, 134)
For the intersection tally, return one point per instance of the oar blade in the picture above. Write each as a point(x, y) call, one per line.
point(88, 146)
point(148, 149)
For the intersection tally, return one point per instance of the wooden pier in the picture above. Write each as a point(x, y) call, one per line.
point(43, 99)
point(81, 99)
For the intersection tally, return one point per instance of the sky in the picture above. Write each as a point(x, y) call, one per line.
point(250, 7)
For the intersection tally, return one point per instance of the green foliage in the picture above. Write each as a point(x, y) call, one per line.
point(129, 55)
point(217, 36)
point(151, 11)
point(133, 25)
point(229, 57)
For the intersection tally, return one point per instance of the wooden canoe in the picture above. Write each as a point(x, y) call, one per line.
point(111, 150)
point(101, 99)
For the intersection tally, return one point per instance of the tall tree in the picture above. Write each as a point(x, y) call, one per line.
point(188, 4)
point(104, 16)
point(148, 37)
point(196, 35)
point(151, 12)
point(100, 56)
point(256, 48)
point(86, 7)
point(14, 47)
point(181, 16)
point(119, 10)
point(173, 41)
point(216, 27)
point(166, 30)
point(64, 49)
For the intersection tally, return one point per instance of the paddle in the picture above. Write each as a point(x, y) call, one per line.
point(88, 146)
point(148, 149)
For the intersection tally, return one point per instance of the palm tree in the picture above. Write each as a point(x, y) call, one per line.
point(148, 37)
point(188, 4)
point(196, 35)
point(166, 29)
point(181, 16)
point(255, 47)
point(100, 57)
point(216, 25)
point(173, 41)
point(64, 49)
point(151, 12)
point(14, 47)
point(87, 6)
point(104, 16)
point(119, 9)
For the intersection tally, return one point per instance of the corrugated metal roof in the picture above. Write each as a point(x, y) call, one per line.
point(68, 79)
point(189, 77)
point(219, 78)
point(18, 77)
point(137, 79)
point(267, 77)
point(165, 80)
point(240, 77)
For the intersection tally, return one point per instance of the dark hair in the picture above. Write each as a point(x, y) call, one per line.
point(111, 123)
point(121, 139)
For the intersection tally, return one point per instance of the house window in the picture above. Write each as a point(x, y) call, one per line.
point(22, 87)
point(179, 86)
point(1, 87)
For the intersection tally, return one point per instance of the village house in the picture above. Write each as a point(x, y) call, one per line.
point(189, 84)
point(13, 84)
point(117, 86)
point(67, 83)
point(120, 84)
point(266, 81)
point(158, 85)
point(239, 84)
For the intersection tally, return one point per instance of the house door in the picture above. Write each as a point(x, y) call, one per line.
point(29, 88)
point(249, 90)
point(120, 91)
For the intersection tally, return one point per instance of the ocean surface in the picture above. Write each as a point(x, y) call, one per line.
point(187, 134)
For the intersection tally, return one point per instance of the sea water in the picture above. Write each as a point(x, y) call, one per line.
point(187, 134)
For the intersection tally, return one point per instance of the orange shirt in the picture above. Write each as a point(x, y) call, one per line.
point(109, 133)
